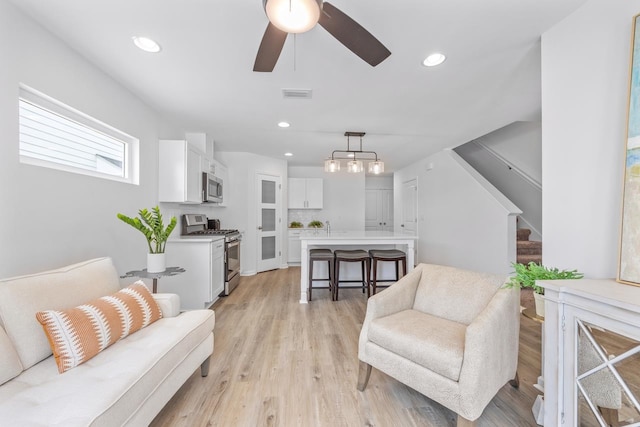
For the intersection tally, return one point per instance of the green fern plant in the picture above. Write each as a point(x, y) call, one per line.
point(527, 274)
point(150, 224)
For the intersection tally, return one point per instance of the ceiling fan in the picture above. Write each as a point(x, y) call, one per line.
point(298, 16)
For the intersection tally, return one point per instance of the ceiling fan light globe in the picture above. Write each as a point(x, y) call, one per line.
point(293, 16)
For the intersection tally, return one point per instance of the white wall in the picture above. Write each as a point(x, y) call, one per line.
point(585, 83)
point(510, 158)
point(343, 203)
point(379, 182)
point(520, 144)
point(50, 218)
point(462, 220)
point(241, 197)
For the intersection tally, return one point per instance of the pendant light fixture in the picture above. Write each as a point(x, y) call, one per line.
point(354, 157)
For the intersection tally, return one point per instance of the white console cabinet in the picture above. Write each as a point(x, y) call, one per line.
point(180, 167)
point(591, 352)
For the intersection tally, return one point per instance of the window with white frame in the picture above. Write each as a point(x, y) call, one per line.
point(57, 136)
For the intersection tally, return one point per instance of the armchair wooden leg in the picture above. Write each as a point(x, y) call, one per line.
point(515, 383)
point(463, 422)
point(364, 372)
point(204, 368)
point(610, 416)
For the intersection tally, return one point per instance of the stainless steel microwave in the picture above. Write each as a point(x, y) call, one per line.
point(211, 188)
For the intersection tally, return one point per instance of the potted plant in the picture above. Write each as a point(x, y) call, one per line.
point(295, 224)
point(150, 224)
point(527, 274)
point(315, 224)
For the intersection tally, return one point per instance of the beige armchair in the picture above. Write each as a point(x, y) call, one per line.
point(448, 333)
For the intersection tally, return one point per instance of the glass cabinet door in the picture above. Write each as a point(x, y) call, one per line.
point(607, 377)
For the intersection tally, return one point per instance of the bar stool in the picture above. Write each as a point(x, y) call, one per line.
point(321, 255)
point(352, 256)
point(382, 255)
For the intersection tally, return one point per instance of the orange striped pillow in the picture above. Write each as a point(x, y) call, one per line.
point(78, 334)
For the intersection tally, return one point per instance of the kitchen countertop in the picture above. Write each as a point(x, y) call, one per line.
point(322, 234)
point(203, 238)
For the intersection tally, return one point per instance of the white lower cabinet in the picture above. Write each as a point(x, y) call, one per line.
point(294, 246)
point(203, 280)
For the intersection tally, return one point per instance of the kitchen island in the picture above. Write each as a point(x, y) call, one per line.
point(348, 240)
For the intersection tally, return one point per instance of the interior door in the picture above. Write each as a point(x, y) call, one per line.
point(372, 210)
point(409, 224)
point(269, 222)
point(387, 209)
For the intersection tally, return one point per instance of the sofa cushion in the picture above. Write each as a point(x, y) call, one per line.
point(77, 334)
point(443, 290)
point(108, 389)
point(10, 365)
point(22, 297)
point(432, 342)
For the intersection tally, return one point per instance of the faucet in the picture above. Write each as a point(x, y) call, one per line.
point(328, 228)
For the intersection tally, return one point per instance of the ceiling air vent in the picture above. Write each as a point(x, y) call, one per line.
point(296, 93)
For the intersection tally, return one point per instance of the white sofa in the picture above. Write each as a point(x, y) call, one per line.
point(128, 383)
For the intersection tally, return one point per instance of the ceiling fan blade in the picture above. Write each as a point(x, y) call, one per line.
point(352, 35)
point(270, 48)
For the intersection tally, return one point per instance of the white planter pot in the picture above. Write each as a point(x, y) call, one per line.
point(156, 263)
point(539, 299)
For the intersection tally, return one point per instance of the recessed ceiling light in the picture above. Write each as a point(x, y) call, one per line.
point(434, 59)
point(284, 124)
point(288, 154)
point(146, 44)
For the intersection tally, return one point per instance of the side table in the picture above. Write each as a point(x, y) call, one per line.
point(538, 405)
point(144, 274)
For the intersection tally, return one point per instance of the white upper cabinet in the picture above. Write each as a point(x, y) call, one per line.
point(180, 172)
point(305, 193)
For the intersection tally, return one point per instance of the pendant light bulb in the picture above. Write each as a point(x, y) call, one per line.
point(331, 165)
point(354, 166)
point(376, 167)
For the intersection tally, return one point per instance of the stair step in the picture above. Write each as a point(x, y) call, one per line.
point(529, 247)
point(523, 233)
point(526, 259)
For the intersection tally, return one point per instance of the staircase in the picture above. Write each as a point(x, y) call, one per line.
point(527, 250)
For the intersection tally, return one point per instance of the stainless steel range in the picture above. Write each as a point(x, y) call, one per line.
point(196, 225)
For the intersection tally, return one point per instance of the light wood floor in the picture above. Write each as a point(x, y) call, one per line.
point(280, 363)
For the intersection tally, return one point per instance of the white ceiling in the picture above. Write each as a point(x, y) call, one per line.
point(202, 81)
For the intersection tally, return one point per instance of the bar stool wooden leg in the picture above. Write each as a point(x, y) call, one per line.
point(331, 277)
point(336, 278)
point(368, 263)
point(310, 278)
point(375, 274)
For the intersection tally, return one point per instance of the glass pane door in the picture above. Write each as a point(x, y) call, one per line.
point(269, 222)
